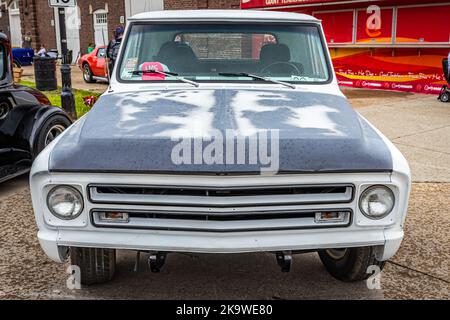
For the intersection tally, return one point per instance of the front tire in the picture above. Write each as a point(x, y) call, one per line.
point(350, 264)
point(52, 128)
point(445, 97)
point(87, 74)
point(96, 265)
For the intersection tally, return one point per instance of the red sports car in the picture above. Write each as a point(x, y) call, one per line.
point(93, 65)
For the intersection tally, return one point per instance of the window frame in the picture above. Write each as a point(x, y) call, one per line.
point(98, 53)
point(323, 42)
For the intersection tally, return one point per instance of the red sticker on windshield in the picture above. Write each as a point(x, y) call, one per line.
point(146, 66)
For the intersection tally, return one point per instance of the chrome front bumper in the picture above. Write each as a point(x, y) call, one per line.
point(217, 236)
point(51, 241)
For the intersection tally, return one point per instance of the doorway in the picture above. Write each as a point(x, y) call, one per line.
point(73, 23)
point(14, 23)
point(101, 27)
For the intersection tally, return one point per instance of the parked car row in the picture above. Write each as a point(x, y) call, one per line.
point(93, 65)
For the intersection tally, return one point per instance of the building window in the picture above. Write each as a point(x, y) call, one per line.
point(101, 18)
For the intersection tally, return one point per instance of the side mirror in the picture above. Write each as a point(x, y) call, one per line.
point(446, 70)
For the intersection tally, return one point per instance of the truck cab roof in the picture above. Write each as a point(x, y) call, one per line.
point(223, 15)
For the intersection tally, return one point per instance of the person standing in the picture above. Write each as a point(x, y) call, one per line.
point(113, 50)
point(27, 39)
point(91, 47)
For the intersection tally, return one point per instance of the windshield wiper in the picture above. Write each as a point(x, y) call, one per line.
point(168, 74)
point(254, 76)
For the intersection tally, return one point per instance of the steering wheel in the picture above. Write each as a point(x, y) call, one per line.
point(292, 66)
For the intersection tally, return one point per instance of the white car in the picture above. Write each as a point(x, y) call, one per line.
point(222, 132)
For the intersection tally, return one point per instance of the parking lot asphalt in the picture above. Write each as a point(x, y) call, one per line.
point(418, 124)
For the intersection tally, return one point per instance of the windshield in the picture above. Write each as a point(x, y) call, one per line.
point(224, 52)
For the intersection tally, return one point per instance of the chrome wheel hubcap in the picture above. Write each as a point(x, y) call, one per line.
point(86, 73)
point(54, 131)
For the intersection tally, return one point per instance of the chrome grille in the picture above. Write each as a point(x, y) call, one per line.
point(220, 197)
point(222, 209)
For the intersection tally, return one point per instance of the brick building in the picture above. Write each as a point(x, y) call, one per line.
point(92, 21)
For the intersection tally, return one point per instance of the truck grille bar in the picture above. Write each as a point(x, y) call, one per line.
point(220, 197)
point(231, 222)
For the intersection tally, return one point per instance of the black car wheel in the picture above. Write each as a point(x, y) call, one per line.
point(350, 264)
point(87, 74)
point(445, 97)
point(96, 265)
point(5, 107)
point(52, 128)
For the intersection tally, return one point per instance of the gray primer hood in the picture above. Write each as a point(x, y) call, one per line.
point(137, 131)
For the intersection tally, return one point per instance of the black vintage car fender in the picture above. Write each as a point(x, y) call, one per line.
point(26, 120)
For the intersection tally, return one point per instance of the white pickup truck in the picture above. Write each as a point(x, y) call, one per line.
point(221, 132)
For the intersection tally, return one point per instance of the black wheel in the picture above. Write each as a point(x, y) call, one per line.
point(445, 97)
point(96, 265)
point(5, 107)
point(87, 74)
point(350, 265)
point(52, 128)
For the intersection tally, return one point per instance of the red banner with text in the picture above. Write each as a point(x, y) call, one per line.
point(412, 70)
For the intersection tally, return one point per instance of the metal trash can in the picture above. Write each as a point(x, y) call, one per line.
point(45, 73)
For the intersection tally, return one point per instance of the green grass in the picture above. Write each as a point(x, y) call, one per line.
point(55, 97)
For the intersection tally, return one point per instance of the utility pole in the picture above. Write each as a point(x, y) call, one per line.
point(63, 34)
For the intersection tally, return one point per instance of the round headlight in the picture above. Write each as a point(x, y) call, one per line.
point(65, 202)
point(376, 202)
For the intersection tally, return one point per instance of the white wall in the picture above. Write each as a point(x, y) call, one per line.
point(14, 25)
point(133, 7)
